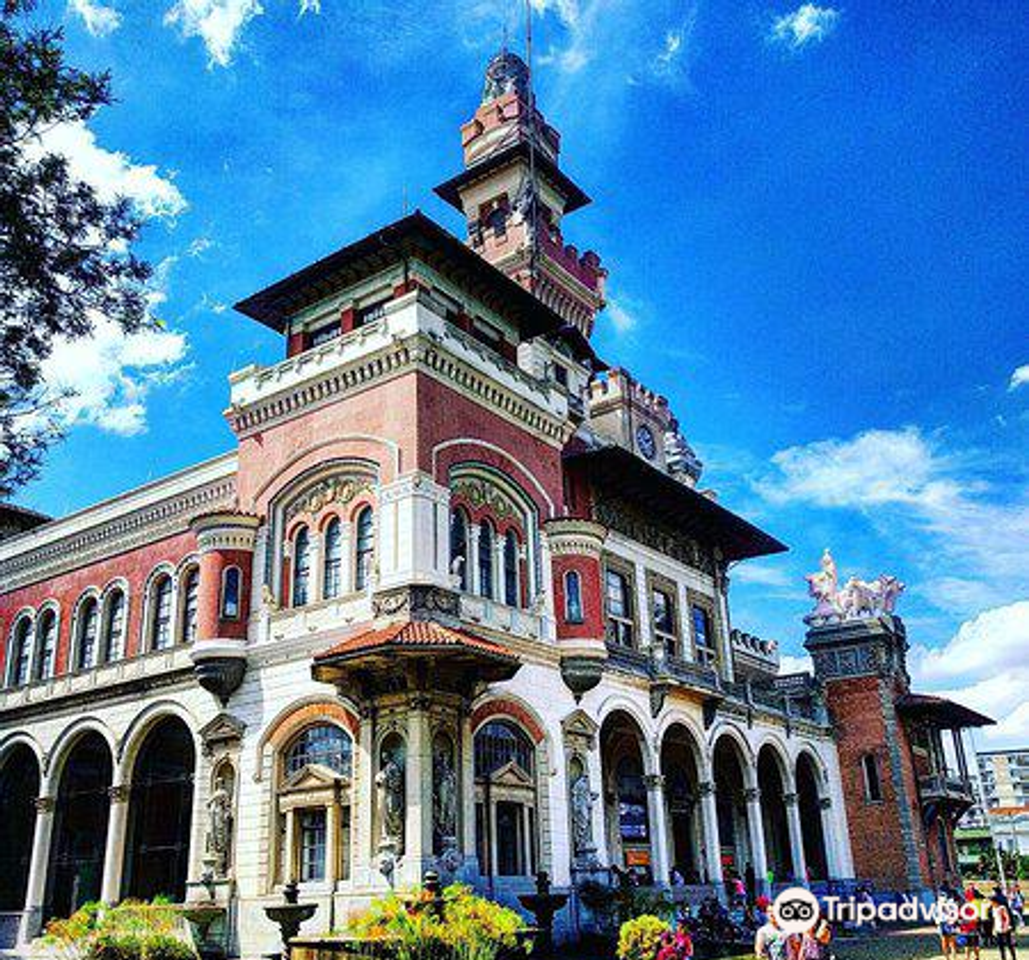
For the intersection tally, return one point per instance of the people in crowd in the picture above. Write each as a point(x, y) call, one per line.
point(947, 904)
point(969, 926)
point(814, 944)
point(773, 943)
point(1002, 926)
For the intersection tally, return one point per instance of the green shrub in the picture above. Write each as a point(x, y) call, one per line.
point(640, 938)
point(130, 931)
point(470, 928)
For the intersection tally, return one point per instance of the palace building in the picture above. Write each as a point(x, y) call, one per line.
point(455, 600)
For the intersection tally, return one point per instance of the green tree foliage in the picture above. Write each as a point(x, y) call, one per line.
point(65, 254)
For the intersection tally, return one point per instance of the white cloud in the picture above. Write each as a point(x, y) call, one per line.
point(622, 316)
point(111, 173)
point(199, 246)
point(99, 20)
point(791, 664)
point(110, 374)
point(754, 572)
point(218, 23)
point(1019, 377)
point(807, 24)
point(985, 666)
point(970, 539)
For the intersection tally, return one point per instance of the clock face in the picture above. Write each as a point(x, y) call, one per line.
point(645, 442)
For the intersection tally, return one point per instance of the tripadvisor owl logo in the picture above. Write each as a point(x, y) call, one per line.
point(795, 910)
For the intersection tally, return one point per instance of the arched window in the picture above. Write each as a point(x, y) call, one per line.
point(20, 653)
point(324, 744)
point(486, 538)
point(511, 569)
point(459, 547)
point(312, 817)
point(573, 597)
point(89, 622)
point(114, 627)
point(365, 549)
point(232, 586)
point(190, 601)
point(161, 613)
point(46, 644)
point(301, 567)
point(505, 800)
point(333, 576)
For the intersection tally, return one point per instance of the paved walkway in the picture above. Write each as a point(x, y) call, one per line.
point(911, 944)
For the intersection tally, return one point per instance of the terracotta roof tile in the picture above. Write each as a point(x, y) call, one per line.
point(415, 633)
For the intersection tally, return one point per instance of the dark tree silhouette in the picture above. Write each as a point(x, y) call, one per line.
point(65, 254)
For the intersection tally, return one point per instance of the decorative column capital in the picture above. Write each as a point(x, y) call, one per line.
point(752, 795)
point(706, 788)
point(790, 799)
point(45, 804)
point(825, 803)
point(119, 792)
point(654, 781)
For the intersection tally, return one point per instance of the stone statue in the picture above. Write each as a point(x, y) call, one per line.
point(445, 796)
point(582, 814)
point(857, 598)
point(219, 825)
point(268, 599)
point(390, 783)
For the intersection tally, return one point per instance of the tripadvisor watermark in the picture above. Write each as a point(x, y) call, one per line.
point(796, 910)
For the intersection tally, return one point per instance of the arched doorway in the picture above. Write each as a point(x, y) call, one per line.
point(625, 795)
point(774, 819)
point(19, 787)
point(810, 808)
point(682, 796)
point(160, 812)
point(729, 764)
point(80, 827)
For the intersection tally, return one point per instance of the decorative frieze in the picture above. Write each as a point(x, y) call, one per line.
point(573, 537)
point(146, 525)
point(340, 488)
point(480, 493)
point(633, 523)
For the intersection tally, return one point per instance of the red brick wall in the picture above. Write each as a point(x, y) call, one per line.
point(875, 828)
point(135, 566)
point(592, 626)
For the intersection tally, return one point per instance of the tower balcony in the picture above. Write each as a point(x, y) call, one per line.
point(946, 789)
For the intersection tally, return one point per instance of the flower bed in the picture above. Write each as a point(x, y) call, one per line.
point(129, 931)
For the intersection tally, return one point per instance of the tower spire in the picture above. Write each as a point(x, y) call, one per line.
point(514, 195)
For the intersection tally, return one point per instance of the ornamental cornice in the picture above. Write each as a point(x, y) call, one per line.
point(419, 352)
point(225, 530)
point(567, 536)
point(146, 525)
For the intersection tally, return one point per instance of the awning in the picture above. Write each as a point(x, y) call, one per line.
point(942, 712)
point(450, 190)
point(414, 653)
point(678, 505)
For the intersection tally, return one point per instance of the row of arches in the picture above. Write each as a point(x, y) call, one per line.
point(159, 798)
point(723, 809)
point(100, 624)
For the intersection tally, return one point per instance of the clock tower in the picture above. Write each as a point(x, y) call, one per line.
point(514, 197)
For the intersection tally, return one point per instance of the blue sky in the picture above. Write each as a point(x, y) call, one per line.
point(814, 217)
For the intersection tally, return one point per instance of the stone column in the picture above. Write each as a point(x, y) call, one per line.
point(333, 841)
point(472, 551)
point(35, 891)
point(796, 837)
point(364, 854)
point(832, 863)
point(290, 870)
point(755, 826)
point(316, 548)
point(466, 821)
point(657, 815)
point(418, 785)
point(114, 852)
point(712, 842)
